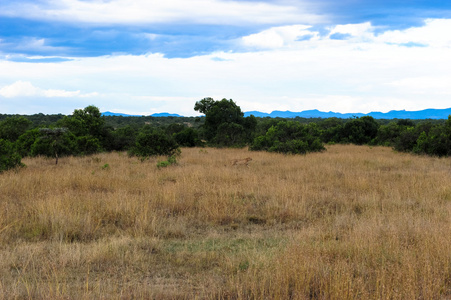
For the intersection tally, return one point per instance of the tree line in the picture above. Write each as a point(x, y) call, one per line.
point(87, 132)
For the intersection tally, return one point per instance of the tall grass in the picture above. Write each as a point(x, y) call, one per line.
point(352, 222)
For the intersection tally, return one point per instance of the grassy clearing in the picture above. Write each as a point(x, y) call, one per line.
point(352, 222)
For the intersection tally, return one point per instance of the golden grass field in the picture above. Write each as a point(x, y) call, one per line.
point(353, 222)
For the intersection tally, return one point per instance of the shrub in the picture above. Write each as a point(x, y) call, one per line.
point(151, 142)
point(289, 137)
point(172, 160)
point(9, 158)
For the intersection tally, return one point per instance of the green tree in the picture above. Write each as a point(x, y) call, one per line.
point(331, 129)
point(87, 144)
point(436, 141)
point(124, 138)
point(13, 127)
point(387, 134)
point(26, 141)
point(55, 143)
point(407, 140)
point(359, 130)
point(88, 126)
point(225, 124)
point(188, 137)
point(152, 142)
point(409, 135)
point(289, 137)
point(9, 158)
point(87, 121)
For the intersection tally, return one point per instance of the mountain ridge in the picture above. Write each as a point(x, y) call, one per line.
point(393, 114)
point(164, 114)
point(429, 113)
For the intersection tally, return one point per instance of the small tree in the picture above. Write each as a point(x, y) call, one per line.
point(188, 137)
point(151, 142)
point(289, 137)
point(9, 158)
point(52, 143)
point(359, 131)
point(12, 128)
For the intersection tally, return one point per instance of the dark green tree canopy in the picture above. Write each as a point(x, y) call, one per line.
point(87, 121)
point(55, 143)
point(289, 137)
point(12, 128)
point(9, 158)
point(153, 142)
point(203, 106)
point(225, 124)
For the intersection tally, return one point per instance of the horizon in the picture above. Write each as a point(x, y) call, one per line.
point(142, 58)
point(393, 114)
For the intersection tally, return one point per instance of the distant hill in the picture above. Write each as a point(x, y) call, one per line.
point(394, 114)
point(108, 113)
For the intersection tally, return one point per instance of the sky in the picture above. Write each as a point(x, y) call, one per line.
point(151, 56)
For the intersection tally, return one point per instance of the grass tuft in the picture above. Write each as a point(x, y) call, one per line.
point(352, 222)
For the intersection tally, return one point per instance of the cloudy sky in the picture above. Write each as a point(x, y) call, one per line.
point(149, 56)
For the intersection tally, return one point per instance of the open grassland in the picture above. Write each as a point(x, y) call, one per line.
point(349, 223)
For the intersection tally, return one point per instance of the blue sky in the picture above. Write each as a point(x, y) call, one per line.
point(148, 56)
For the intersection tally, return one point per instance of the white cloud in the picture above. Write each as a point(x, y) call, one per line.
point(425, 84)
point(26, 89)
point(362, 74)
point(19, 89)
point(362, 30)
point(277, 37)
point(435, 33)
point(148, 12)
point(60, 93)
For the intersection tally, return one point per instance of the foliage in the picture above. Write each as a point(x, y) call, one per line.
point(289, 137)
point(25, 141)
point(225, 124)
point(12, 128)
point(118, 122)
point(188, 137)
point(123, 138)
point(9, 158)
point(87, 144)
point(55, 143)
point(359, 131)
point(153, 142)
point(331, 129)
point(436, 141)
point(88, 126)
point(87, 121)
point(172, 160)
point(388, 134)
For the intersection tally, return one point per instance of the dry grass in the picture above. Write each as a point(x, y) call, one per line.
point(352, 222)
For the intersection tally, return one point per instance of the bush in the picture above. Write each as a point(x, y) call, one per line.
point(9, 158)
point(188, 137)
point(289, 137)
point(359, 131)
point(151, 142)
point(55, 143)
point(172, 160)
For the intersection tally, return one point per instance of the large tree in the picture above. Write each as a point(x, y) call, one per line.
point(225, 124)
point(87, 121)
point(88, 126)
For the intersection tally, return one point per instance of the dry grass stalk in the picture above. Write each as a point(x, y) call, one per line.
point(352, 222)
